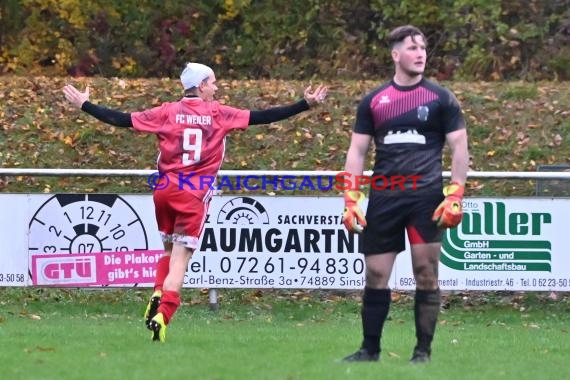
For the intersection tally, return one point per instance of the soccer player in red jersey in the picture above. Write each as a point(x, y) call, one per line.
point(410, 119)
point(191, 134)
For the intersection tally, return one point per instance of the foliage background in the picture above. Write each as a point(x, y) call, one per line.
point(295, 39)
point(265, 52)
point(513, 126)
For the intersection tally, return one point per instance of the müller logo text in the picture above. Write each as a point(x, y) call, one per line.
point(342, 181)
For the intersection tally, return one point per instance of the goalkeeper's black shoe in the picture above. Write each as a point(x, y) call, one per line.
point(362, 355)
point(420, 356)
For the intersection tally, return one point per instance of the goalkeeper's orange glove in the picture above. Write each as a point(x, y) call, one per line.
point(449, 212)
point(353, 217)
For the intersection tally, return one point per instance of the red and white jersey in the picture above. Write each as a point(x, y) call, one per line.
point(191, 135)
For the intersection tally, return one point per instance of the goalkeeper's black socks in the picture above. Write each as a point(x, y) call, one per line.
point(375, 307)
point(426, 310)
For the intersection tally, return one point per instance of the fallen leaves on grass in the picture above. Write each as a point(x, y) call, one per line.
point(39, 349)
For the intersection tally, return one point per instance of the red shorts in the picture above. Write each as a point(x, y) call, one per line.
point(180, 214)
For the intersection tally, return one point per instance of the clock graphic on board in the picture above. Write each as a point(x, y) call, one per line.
point(86, 223)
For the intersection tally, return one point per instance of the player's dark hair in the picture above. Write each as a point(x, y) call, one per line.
point(193, 91)
point(190, 92)
point(400, 33)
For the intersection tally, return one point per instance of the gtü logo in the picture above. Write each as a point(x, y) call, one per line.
point(66, 270)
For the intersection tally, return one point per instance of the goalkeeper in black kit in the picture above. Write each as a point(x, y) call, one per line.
point(409, 119)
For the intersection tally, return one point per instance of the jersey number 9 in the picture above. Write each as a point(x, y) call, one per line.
point(191, 148)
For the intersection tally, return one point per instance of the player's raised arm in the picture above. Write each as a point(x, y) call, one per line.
point(76, 97)
point(310, 98)
point(81, 100)
point(317, 96)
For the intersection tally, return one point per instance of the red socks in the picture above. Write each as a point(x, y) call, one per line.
point(169, 303)
point(170, 300)
point(161, 272)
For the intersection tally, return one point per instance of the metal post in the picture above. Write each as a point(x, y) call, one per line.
point(213, 294)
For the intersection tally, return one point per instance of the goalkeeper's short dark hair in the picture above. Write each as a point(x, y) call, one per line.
point(400, 33)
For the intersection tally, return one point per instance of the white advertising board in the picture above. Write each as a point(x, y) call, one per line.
point(84, 240)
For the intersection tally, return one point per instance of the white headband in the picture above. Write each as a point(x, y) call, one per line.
point(194, 74)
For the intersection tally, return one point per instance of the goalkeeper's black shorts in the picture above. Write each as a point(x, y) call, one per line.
point(388, 217)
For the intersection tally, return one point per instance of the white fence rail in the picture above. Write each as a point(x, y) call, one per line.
point(230, 173)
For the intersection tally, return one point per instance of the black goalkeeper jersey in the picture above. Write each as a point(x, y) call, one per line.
point(409, 125)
